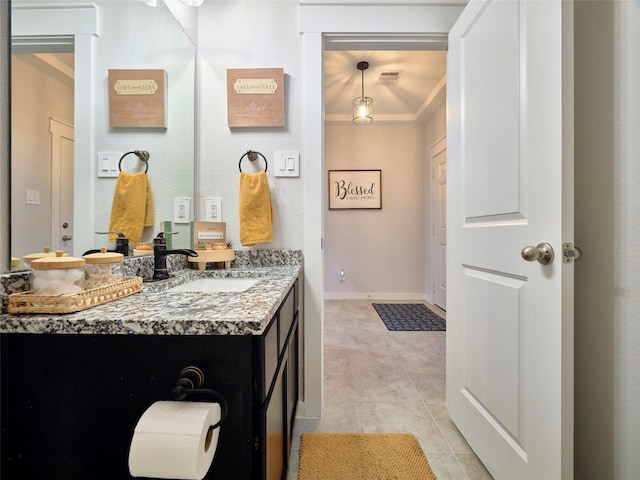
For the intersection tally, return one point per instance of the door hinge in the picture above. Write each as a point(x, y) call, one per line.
point(570, 253)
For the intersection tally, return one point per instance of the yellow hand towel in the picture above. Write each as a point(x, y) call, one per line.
point(132, 207)
point(256, 216)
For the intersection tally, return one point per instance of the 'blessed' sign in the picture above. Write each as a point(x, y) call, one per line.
point(355, 189)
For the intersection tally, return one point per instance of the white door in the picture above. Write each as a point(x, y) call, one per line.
point(61, 185)
point(438, 156)
point(510, 185)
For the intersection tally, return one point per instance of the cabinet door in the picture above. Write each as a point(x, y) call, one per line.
point(275, 423)
point(292, 383)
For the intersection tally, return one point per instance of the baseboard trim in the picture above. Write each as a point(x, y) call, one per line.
point(374, 296)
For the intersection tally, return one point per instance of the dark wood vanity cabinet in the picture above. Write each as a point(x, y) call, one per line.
point(69, 403)
point(279, 394)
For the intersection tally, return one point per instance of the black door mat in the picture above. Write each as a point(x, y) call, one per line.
point(408, 317)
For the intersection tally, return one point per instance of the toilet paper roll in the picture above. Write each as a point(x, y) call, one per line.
point(172, 440)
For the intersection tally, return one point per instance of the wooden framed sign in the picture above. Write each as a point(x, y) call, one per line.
point(138, 98)
point(352, 189)
point(255, 97)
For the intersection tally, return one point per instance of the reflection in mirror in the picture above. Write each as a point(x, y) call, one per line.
point(61, 56)
point(42, 128)
point(4, 138)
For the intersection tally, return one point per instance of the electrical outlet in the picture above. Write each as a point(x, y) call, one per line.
point(213, 209)
point(182, 210)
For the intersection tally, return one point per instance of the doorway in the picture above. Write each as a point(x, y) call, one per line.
point(384, 253)
point(42, 112)
point(381, 26)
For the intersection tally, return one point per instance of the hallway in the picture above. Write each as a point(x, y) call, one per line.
point(382, 381)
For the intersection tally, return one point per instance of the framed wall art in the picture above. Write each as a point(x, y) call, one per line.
point(355, 189)
point(255, 97)
point(137, 98)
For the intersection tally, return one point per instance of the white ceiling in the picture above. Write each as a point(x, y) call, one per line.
point(422, 78)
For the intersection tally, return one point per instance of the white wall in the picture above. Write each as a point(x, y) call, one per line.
point(234, 34)
point(607, 286)
point(381, 251)
point(38, 92)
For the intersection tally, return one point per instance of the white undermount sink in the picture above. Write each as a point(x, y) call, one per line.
point(210, 285)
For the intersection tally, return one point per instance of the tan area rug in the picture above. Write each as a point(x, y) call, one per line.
point(362, 456)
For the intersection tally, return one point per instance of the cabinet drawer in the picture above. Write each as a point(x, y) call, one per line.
point(286, 316)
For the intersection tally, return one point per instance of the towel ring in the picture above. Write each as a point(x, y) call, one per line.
point(143, 155)
point(251, 155)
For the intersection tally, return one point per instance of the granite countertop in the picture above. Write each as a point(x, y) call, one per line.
point(155, 311)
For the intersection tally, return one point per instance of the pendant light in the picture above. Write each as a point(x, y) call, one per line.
point(362, 106)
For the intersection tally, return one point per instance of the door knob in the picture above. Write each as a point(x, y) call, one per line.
point(66, 237)
point(543, 253)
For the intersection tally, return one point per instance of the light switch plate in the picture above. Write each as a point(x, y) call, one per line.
point(33, 197)
point(287, 163)
point(107, 164)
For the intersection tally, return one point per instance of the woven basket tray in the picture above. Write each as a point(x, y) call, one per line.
point(27, 302)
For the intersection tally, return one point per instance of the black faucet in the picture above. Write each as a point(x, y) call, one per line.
point(122, 245)
point(160, 253)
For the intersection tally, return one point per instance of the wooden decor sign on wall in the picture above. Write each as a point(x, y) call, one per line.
point(138, 98)
point(255, 97)
point(355, 189)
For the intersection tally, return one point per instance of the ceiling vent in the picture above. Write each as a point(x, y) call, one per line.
point(390, 76)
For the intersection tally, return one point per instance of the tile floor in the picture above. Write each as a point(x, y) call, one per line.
point(382, 381)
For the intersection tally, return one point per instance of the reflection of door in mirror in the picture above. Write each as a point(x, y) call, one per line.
point(61, 185)
point(42, 146)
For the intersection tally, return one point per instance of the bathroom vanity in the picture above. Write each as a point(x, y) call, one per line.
point(74, 386)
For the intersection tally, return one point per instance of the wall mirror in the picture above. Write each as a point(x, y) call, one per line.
point(61, 55)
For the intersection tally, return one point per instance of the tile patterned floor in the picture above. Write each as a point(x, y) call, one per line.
point(382, 381)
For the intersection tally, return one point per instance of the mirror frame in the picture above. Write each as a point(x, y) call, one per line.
point(5, 151)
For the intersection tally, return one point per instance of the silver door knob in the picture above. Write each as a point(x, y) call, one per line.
point(543, 253)
point(66, 237)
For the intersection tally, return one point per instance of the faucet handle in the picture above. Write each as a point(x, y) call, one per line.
point(160, 239)
point(122, 242)
point(161, 234)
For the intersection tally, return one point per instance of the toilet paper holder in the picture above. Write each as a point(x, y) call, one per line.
point(190, 382)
